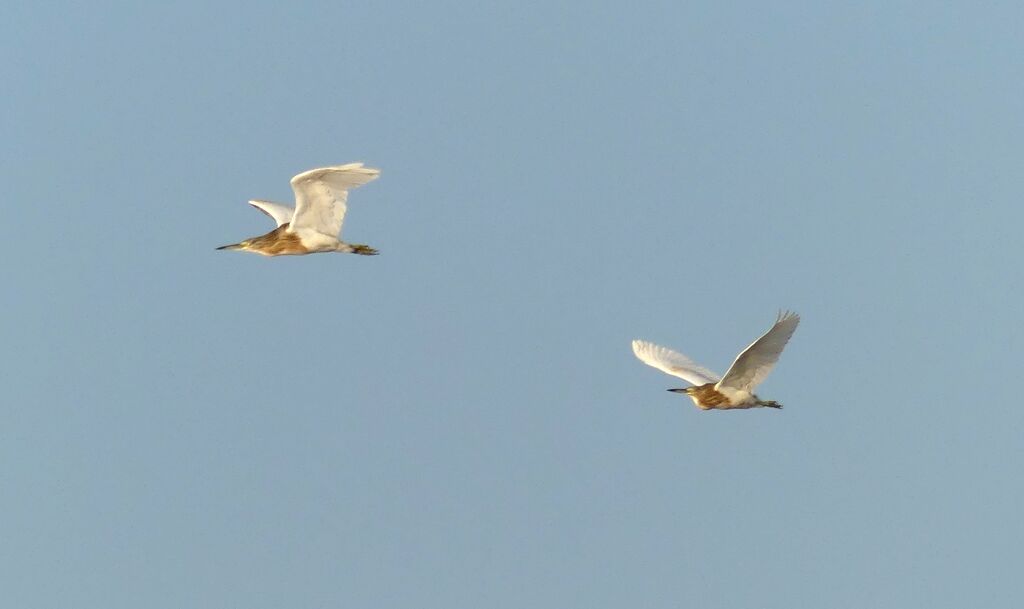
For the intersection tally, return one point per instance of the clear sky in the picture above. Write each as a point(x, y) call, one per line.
point(460, 421)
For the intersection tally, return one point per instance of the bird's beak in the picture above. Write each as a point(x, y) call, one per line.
point(234, 246)
point(677, 390)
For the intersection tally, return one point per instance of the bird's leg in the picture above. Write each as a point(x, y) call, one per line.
point(363, 250)
point(769, 403)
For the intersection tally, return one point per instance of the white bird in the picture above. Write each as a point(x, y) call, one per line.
point(736, 388)
point(314, 225)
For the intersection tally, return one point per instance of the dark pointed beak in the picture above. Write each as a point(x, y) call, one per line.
point(677, 390)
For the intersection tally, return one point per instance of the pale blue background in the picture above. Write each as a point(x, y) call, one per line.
point(460, 421)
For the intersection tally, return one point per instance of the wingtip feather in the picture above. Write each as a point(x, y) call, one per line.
point(785, 315)
point(641, 347)
point(369, 173)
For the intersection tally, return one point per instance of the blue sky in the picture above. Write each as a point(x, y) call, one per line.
point(460, 422)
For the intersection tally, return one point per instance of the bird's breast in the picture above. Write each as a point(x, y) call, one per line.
point(315, 241)
point(706, 397)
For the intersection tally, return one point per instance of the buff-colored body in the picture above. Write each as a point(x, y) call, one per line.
point(707, 397)
point(314, 225)
point(282, 242)
point(735, 390)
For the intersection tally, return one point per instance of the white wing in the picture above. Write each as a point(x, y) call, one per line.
point(753, 365)
point(282, 214)
point(670, 362)
point(320, 196)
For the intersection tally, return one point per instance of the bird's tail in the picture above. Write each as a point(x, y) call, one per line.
point(363, 250)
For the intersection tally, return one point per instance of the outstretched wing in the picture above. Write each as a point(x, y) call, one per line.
point(320, 196)
point(753, 365)
point(670, 362)
point(282, 214)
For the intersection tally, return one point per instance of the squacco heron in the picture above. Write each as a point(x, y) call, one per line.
point(314, 225)
point(736, 388)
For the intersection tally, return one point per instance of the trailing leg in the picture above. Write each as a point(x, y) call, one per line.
point(363, 250)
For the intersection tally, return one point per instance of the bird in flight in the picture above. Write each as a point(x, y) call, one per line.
point(314, 225)
point(736, 388)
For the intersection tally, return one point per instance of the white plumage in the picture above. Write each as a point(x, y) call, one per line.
point(753, 365)
point(671, 362)
point(281, 214)
point(314, 224)
point(736, 388)
point(321, 197)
